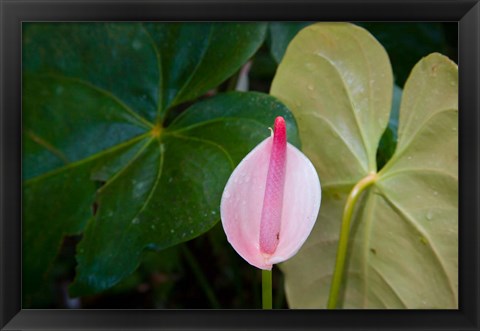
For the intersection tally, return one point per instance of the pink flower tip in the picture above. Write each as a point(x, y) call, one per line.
point(271, 201)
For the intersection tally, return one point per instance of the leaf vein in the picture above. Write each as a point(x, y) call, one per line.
point(194, 71)
point(121, 171)
point(212, 121)
point(48, 146)
point(411, 221)
point(141, 121)
point(393, 174)
point(205, 141)
point(399, 153)
point(350, 99)
point(321, 117)
point(87, 159)
point(155, 184)
point(394, 291)
point(159, 65)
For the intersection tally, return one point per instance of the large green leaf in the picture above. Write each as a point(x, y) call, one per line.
point(403, 242)
point(90, 95)
point(173, 187)
point(150, 67)
point(338, 82)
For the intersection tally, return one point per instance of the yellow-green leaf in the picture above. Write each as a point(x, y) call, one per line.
point(403, 243)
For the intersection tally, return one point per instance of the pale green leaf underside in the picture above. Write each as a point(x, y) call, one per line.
point(338, 81)
point(403, 244)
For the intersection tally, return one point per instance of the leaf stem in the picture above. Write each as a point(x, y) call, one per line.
point(200, 277)
point(267, 289)
point(344, 236)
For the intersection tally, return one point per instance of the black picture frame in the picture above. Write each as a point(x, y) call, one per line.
point(13, 12)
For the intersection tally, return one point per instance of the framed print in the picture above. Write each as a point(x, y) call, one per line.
point(239, 165)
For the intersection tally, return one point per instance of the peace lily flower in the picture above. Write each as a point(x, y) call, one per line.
point(271, 201)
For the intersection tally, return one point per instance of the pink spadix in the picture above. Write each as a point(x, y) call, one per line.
point(273, 198)
point(271, 201)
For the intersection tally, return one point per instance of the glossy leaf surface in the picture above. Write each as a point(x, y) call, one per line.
point(94, 153)
point(149, 67)
point(403, 241)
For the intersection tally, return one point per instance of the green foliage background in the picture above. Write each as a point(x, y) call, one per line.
point(198, 270)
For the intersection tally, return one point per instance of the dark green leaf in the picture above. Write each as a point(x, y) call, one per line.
point(171, 191)
point(90, 94)
point(151, 66)
point(197, 56)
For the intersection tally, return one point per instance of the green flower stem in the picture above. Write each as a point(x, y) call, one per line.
point(202, 280)
point(344, 235)
point(267, 289)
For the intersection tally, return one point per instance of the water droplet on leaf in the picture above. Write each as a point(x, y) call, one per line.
point(59, 90)
point(429, 216)
point(136, 44)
